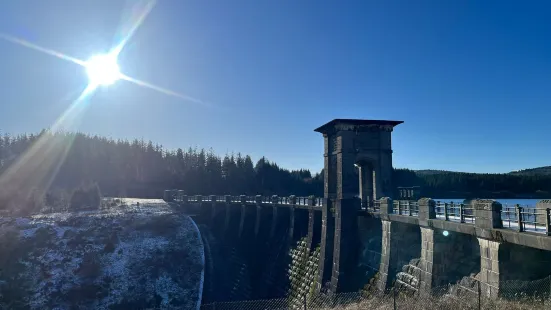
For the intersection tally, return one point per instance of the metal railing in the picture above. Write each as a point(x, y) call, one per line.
point(526, 218)
point(405, 207)
point(280, 200)
point(454, 212)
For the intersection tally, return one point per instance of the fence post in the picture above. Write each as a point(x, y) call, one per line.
point(394, 296)
point(446, 211)
point(305, 307)
point(518, 210)
point(461, 215)
point(478, 291)
point(548, 221)
point(409, 208)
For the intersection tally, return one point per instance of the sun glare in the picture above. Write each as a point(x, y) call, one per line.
point(103, 70)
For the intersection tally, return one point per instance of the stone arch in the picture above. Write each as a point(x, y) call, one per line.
point(366, 178)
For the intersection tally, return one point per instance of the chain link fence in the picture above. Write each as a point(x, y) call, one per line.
point(468, 295)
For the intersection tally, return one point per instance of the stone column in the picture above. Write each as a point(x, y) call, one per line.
point(212, 199)
point(227, 199)
point(246, 221)
point(543, 207)
point(294, 219)
point(326, 243)
point(383, 280)
point(274, 216)
point(426, 262)
point(378, 190)
point(427, 211)
point(257, 221)
point(366, 183)
point(311, 223)
point(489, 275)
point(386, 209)
point(168, 195)
point(346, 245)
point(488, 216)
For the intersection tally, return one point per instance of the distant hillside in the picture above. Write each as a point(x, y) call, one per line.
point(432, 172)
point(529, 183)
point(533, 171)
point(527, 172)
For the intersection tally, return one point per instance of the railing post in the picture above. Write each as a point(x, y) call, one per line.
point(311, 202)
point(487, 214)
point(548, 221)
point(461, 213)
point(446, 216)
point(386, 206)
point(399, 207)
point(479, 293)
point(185, 199)
point(394, 297)
point(293, 200)
point(518, 212)
point(427, 211)
point(199, 198)
point(168, 195)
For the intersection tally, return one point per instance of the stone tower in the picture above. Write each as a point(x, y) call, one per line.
point(350, 143)
point(365, 144)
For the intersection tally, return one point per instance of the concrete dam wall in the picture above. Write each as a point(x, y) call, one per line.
point(252, 251)
point(273, 247)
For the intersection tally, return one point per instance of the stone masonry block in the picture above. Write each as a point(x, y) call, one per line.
point(427, 209)
point(487, 213)
point(386, 205)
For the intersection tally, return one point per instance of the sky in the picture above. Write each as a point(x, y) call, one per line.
point(470, 79)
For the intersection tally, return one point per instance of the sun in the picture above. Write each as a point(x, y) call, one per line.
point(103, 70)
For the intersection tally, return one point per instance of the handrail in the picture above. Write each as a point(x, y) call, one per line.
point(455, 212)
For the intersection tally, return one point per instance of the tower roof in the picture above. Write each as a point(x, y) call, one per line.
point(355, 122)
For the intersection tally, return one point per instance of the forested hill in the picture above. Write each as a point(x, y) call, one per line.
point(531, 183)
point(534, 171)
point(57, 163)
point(50, 166)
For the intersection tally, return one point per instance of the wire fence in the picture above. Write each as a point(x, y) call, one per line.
point(467, 294)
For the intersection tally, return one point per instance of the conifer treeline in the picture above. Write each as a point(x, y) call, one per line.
point(446, 184)
point(143, 169)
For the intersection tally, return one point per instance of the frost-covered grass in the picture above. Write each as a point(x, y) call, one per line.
point(142, 254)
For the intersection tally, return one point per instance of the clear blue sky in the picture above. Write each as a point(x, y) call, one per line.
point(471, 79)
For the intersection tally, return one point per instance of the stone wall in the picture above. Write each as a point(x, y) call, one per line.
point(370, 235)
point(251, 245)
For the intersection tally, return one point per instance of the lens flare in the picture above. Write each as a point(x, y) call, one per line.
point(103, 69)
